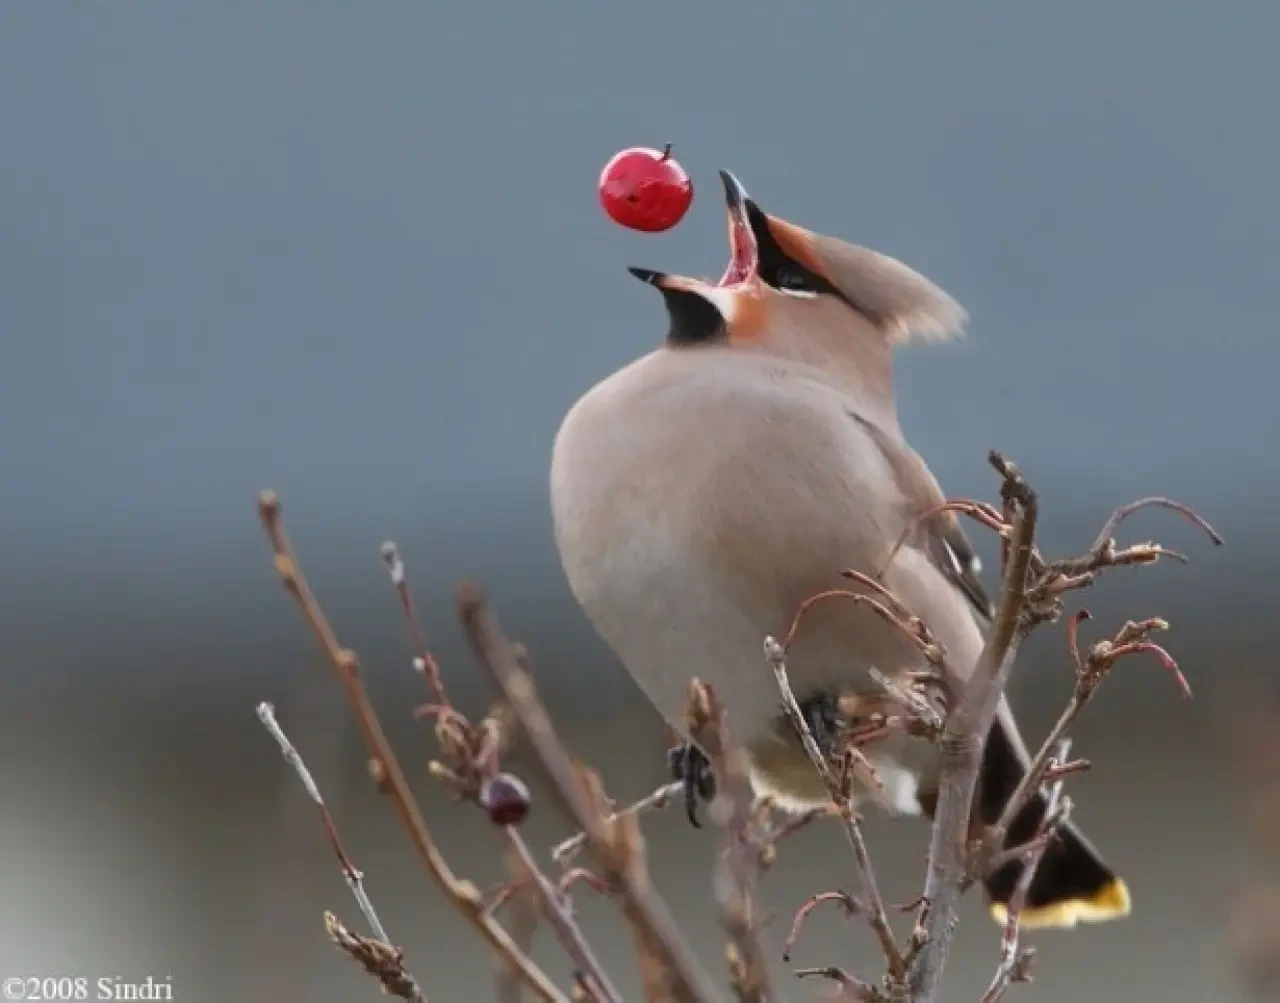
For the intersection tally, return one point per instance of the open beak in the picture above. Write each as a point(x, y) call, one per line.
point(744, 251)
point(744, 258)
point(662, 280)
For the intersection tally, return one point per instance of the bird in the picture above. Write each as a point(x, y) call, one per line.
point(702, 492)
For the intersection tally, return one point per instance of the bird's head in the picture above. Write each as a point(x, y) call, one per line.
point(785, 286)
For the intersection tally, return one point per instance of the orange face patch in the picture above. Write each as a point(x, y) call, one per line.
point(750, 317)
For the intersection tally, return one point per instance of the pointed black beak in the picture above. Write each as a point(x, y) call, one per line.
point(742, 207)
point(743, 246)
point(694, 318)
point(648, 275)
point(735, 196)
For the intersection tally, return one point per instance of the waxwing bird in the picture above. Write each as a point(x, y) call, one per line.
point(702, 492)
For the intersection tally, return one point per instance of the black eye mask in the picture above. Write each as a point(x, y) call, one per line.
point(777, 268)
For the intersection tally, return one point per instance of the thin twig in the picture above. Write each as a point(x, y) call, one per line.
point(911, 626)
point(790, 824)
point(505, 894)
point(1124, 511)
point(1055, 770)
point(776, 655)
point(582, 876)
point(916, 704)
point(736, 873)
point(423, 660)
point(353, 875)
point(563, 852)
point(641, 904)
point(982, 512)
point(591, 974)
point(1061, 576)
point(846, 901)
point(876, 914)
point(475, 754)
point(380, 959)
point(986, 862)
point(1034, 776)
point(960, 747)
point(1014, 961)
point(463, 894)
point(521, 903)
point(852, 985)
point(1090, 671)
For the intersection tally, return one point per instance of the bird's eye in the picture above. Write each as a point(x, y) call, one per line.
point(794, 280)
point(790, 278)
point(785, 274)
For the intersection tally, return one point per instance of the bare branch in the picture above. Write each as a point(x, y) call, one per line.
point(1124, 511)
point(1090, 671)
point(735, 880)
point(775, 654)
point(472, 772)
point(463, 894)
point(886, 608)
point(960, 747)
point(473, 752)
point(940, 705)
point(851, 906)
point(1031, 594)
point(352, 874)
point(657, 800)
point(1054, 579)
point(641, 905)
point(1014, 961)
point(591, 975)
point(986, 514)
point(926, 718)
point(582, 876)
point(384, 962)
point(788, 824)
point(423, 660)
point(521, 903)
point(876, 914)
point(853, 987)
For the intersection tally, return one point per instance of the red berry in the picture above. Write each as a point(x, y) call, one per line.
point(505, 798)
point(645, 189)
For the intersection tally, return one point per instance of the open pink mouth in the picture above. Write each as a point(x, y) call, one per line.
point(744, 255)
point(742, 260)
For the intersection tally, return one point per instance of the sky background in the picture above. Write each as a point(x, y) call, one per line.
point(352, 252)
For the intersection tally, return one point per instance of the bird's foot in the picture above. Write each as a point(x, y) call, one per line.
point(822, 715)
point(690, 766)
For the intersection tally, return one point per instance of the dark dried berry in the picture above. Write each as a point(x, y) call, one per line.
point(505, 798)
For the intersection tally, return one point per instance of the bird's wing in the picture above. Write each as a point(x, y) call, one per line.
point(949, 548)
point(940, 536)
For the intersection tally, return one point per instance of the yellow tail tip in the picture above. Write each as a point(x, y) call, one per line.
point(1111, 901)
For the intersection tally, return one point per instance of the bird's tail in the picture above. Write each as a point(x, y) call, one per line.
point(1072, 883)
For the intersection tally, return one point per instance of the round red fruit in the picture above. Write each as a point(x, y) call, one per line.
point(645, 189)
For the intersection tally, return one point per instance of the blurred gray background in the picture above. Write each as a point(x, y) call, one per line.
point(352, 252)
